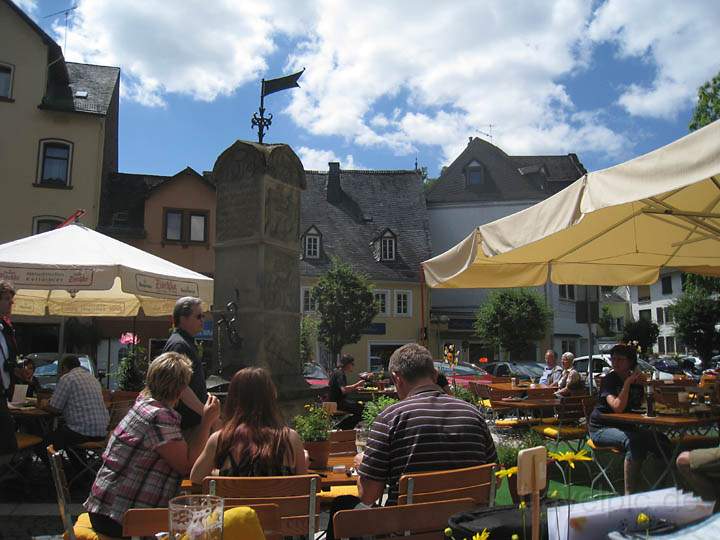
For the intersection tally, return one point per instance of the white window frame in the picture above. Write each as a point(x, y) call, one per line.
point(386, 312)
point(41, 163)
point(566, 294)
point(11, 67)
point(37, 219)
point(312, 239)
point(388, 247)
point(408, 292)
point(312, 305)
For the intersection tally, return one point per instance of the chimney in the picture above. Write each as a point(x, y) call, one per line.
point(334, 191)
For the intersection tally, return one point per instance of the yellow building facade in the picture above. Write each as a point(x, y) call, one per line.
point(58, 129)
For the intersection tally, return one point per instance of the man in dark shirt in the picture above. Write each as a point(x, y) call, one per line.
point(340, 389)
point(188, 320)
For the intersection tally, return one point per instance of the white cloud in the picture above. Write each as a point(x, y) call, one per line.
point(448, 69)
point(28, 6)
point(315, 159)
point(680, 39)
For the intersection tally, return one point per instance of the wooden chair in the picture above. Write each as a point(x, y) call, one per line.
point(10, 462)
point(424, 521)
point(342, 441)
point(571, 427)
point(614, 454)
point(476, 483)
point(142, 522)
point(295, 496)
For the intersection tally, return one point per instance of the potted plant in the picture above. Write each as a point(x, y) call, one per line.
point(507, 455)
point(313, 426)
point(133, 365)
point(375, 407)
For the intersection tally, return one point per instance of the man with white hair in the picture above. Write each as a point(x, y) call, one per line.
point(551, 373)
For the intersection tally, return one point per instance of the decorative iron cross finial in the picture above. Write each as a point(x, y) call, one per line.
point(261, 122)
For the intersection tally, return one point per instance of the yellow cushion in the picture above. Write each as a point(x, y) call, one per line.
point(486, 403)
point(549, 420)
point(595, 447)
point(83, 530)
point(242, 522)
point(25, 440)
point(335, 491)
point(562, 432)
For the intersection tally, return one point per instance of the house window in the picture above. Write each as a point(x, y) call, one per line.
point(670, 344)
point(388, 249)
point(569, 345)
point(619, 324)
point(567, 292)
point(643, 293)
point(403, 303)
point(381, 299)
point(187, 226)
point(43, 224)
point(6, 78)
point(55, 163)
point(661, 345)
point(668, 315)
point(312, 246)
point(666, 283)
point(645, 314)
point(475, 176)
point(309, 304)
point(660, 315)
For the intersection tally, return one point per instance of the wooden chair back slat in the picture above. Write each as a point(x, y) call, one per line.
point(542, 393)
point(483, 390)
point(496, 394)
point(424, 521)
point(570, 410)
point(260, 486)
point(341, 435)
point(477, 482)
point(141, 522)
point(342, 441)
point(287, 506)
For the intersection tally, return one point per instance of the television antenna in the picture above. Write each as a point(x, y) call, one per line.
point(488, 133)
point(66, 12)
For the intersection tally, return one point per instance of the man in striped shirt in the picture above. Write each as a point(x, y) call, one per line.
point(427, 430)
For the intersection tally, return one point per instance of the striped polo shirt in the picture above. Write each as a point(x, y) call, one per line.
point(426, 431)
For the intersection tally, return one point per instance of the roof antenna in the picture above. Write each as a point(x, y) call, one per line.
point(488, 133)
point(416, 162)
point(67, 13)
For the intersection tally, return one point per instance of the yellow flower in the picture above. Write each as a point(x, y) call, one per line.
point(643, 520)
point(448, 532)
point(522, 505)
point(514, 537)
point(554, 494)
point(506, 473)
point(484, 535)
point(570, 457)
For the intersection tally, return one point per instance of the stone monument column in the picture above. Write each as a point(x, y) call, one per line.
point(257, 253)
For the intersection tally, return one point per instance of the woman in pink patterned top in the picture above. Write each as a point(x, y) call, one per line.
point(147, 457)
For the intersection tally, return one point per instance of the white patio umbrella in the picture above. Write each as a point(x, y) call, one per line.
point(76, 271)
point(617, 226)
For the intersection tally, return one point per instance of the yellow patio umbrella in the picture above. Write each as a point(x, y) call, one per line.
point(616, 226)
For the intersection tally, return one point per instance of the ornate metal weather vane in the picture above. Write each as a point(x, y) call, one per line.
point(271, 86)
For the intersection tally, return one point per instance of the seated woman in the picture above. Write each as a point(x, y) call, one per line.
point(621, 391)
point(147, 456)
point(254, 440)
point(570, 380)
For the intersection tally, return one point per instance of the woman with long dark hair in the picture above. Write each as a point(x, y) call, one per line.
point(255, 441)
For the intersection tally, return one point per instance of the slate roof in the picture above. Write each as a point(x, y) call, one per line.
point(372, 202)
point(98, 81)
point(507, 177)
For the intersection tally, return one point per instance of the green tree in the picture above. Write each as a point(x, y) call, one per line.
point(643, 331)
point(696, 314)
point(345, 304)
point(308, 334)
point(606, 322)
point(511, 319)
point(707, 283)
point(708, 105)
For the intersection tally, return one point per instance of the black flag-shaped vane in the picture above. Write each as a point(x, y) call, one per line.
point(270, 87)
point(281, 83)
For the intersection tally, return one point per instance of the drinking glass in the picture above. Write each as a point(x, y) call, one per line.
point(196, 517)
point(361, 437)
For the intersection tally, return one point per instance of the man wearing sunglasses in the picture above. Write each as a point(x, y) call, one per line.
point(188, 320)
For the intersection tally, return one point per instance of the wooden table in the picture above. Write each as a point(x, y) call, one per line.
point(669, 424)
point(525, 404)
point(42, 417)
point(518, 389)
point(328, 478)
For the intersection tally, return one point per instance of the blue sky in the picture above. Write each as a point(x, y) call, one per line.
point(389, 81)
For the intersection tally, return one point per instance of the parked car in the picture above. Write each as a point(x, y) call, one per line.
point(602, 365)
point(520, 370)
point(315, 374)
point(46, 367)
point(667, 365)
point(464, 373)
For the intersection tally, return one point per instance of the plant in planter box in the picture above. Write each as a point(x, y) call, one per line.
point(463, 393)
point(313, 426)
point(375, 407)
point(507, 450)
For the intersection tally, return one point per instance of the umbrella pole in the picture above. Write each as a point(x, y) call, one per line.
point(590, 338)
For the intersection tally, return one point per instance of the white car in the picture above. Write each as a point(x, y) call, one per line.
point(602, 365)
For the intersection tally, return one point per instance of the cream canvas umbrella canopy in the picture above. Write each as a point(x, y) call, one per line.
point(75, 271)
point(617, 226)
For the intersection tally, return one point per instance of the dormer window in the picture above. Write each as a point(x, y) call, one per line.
point(475, 174)
point(311, 243)
point(384, 246)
